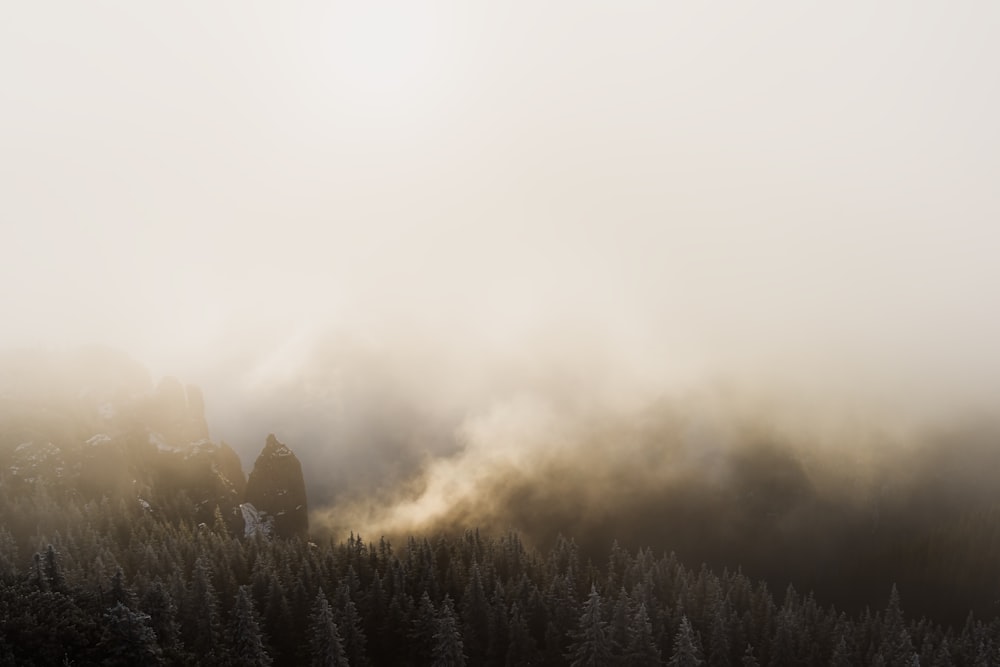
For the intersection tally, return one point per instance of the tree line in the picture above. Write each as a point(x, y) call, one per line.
point(111, 583)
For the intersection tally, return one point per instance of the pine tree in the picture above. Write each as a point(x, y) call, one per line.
point(8, 556)
point(163, 619)
point(376, 616)
point(448, 648)
point(787, 633)
point(219, 523)
point(423, 629)
point(563, 613)
point(621, 619)
point(841, 654)
point(499, 628)
point(128, 639)
point(943, 656)
point(202, 624)
point(719, 638)
point(246, 644)
point(593, 642)
point(53, 570)
point(522, 649)
point(896, 646)
point(326, 648)
point(120, 591)
point(396, 644)
point(278, 621)
point(349, 624)
point(687, 652)
point(475, 617)
point(38, 578)
point(641, 649)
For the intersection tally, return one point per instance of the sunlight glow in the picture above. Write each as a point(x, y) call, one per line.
point(384, 53)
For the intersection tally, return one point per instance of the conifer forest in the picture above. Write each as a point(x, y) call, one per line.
point(129, 537)
point(116, 586)
point(109, 583)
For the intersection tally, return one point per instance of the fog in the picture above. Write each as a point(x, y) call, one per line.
point(446, 249)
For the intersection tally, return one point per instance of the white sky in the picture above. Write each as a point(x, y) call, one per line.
point(799, 191)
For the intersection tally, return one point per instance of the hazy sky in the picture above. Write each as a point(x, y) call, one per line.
point(793, 192)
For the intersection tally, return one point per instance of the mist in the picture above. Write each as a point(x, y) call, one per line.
point(559, 268)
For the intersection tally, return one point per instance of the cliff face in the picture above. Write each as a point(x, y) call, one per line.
point(276, 488)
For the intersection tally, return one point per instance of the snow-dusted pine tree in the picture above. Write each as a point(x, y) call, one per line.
point(593, 645)
point(687, 652)
point(128, 638)
point(202, 626)
point(641, 649)
point(246, 644)
point(326, 649)
point(448, 649)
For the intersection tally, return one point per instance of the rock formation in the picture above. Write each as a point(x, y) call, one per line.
point(92, 424)
point(277, 489)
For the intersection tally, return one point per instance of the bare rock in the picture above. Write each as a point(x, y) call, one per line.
point(276, 487)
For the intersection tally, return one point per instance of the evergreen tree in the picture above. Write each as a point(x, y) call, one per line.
point(423, 628)
point(128, 639)
point(326, 648)
point(563, 609)
point(786, 635)
point(202, 624)
point(53, 570)
point(44, 627)
point(621, 618)
point(350, 626)
point(641, 648)
point(498, 631)
point(522, 649)
point(475, 618)
point(376, 617)
point(159, 605)
point(896, 647)
point(942, 657)
point(246, 644)
point(8, 556)
point(448, 648)
point(841, 654)
point(279, 623)
point(593, 642)
point(687, 652)
point(396, 643)
point(120, 591)
point(719, 638)
point(38, 578)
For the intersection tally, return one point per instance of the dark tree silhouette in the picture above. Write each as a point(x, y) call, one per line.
point(128, 639)
point(448, 648)
point(686, 653)
point(246, 644)
point(326, 648)
point(593, 646)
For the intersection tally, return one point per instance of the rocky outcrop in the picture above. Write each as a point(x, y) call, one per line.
point(210, 477)
point(277, 489)
point(93, 425)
